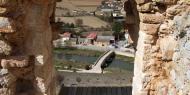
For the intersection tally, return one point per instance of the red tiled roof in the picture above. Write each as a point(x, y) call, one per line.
point(66, 34)
point(92, 35)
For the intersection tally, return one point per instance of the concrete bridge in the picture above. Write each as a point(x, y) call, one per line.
point(102, 62)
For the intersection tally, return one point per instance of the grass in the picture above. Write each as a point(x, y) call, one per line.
point(62, 65)
point(74, 51)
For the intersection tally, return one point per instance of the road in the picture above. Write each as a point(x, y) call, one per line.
point(119, 51)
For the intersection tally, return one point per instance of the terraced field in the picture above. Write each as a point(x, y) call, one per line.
point(90, 21)
point(85, 5)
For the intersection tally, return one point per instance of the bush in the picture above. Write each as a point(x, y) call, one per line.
point(182, 34)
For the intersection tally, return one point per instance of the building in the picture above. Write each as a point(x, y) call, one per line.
point(104, 40)
point(63, 38)
point(91, 38)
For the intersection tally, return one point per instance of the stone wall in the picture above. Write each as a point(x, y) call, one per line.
point(26, 47)
point(162, 57)
point(161, 27)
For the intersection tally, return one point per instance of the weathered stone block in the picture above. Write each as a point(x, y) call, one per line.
point(147, 7)
point(142, 1)
point(3, 10)
point(151, 18)
point(5, 48)
point(15, 62)
point(150, 29)
point(5, 26)
point(149, 39)
point(5, 2)
point(166, 27)
point(167, 46)
point(173, 11)
point(168, 2)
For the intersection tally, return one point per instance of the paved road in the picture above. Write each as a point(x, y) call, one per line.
point(97, 80)
point(120, 51)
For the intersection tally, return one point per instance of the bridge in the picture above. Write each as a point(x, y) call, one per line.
point(102, 62)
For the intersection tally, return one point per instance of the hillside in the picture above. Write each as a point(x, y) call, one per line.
point(82, 5)
point(87, 21)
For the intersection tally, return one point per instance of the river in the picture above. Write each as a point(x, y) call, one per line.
point(116, 64)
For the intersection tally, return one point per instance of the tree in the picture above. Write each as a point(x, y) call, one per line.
point(79, 22)
point(68, 43)
point(68, 14)
point(103, 2)
point(117, 27)
point(72, 25)
point(77, 34)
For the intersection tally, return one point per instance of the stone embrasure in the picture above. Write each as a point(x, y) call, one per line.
point(25, 47)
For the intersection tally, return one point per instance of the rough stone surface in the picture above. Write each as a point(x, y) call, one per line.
point(162, 64)
point(25, 47)
point(142, 1)
point(151, 18)
point(147, 7)
point(5, 26)
point(166, 28)
point(167, 46)
point(167, 2)
point(150, 29)
point(181, 56)
point(5, 48)
point(18, 62)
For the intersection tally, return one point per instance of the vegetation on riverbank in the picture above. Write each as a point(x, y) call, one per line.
point(75, 51)
point(69, 64)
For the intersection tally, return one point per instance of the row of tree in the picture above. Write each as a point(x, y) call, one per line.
point(118, 30)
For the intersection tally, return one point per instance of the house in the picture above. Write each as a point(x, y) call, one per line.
point(104, 40)
point(76, 41)
point(91, 38)
point(63, 38)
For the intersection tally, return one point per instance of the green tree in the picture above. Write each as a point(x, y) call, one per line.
point(66, 25)
point(103, 2)
point(72, 25)
point(78, 34)
point(68, 43)
point(79, 22)
point(117, 27)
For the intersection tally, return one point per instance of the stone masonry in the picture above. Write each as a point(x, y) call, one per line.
point(162, 57)
point(160, 30)
point(26, 47)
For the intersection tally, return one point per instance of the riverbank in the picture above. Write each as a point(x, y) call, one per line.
point(92, 53)
point(73, 59)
